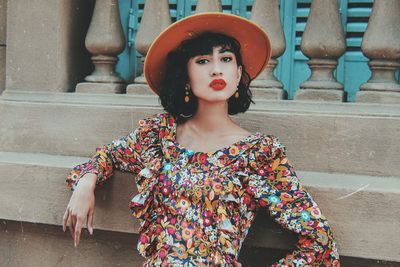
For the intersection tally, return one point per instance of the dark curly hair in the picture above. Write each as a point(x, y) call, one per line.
point(172, 91)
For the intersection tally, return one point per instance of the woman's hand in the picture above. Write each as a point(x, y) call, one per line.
point(80, 208)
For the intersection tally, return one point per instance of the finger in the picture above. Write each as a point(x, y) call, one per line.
point(73, 221)
point(78, 230)
point(65, 219)
point(71, 229)
point(90, 223)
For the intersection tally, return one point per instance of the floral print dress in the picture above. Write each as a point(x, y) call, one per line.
point(196, 208)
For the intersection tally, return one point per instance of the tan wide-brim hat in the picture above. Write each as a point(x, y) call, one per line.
point(254, 42)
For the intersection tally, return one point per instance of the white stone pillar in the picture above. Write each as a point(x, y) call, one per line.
point(381, 44)
point(266, 14)
point(323, 42)
point(155, 19)
point(208, 6)
point(104, 40)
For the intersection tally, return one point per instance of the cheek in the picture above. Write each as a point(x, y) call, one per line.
point(194, 73)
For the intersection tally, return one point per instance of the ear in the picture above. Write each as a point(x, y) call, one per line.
point(239, 73)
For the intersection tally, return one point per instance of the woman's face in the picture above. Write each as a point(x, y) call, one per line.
point(214, 77)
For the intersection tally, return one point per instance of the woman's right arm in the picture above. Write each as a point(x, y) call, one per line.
point(123, 154)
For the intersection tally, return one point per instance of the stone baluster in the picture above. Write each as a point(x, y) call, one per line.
point(381, 44)
point(266, 14)
point(323, 42)
point(104, 40)
point(155, 19)
point(208, 6)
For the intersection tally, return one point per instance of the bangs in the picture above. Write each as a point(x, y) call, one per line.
point(203, 45)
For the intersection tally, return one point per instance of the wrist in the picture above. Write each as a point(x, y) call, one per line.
point(88, 180)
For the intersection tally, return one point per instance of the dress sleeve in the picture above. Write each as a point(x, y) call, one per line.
point(289, 204)
point(126, 154)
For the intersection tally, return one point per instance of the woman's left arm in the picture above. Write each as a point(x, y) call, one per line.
point(293, 208)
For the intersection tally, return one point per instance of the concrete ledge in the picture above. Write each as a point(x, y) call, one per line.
point(151, 100)
point(361, 209)
point(324, 137)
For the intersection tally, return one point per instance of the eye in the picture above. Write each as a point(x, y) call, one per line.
point(202, 61)
point(227, 59)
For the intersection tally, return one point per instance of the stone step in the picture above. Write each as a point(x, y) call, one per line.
point(361, 208)
point(323, 137)
point(48, 246)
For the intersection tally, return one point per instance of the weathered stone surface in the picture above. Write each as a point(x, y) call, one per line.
point(381, 45)
point(266, 15)
point(379, 97)
point(105, 40)
point(346, 200)
point(45, 44)
point(3, 22)
point(100, 88)
point(3, 38)
point(208, 6)
point(267, 93)
point(45, 184)
point(328, 137)
point(323, 42)
point(40, 245)
point(319, 95)
point(139, 89)
point(2, 68)
point(156, 17)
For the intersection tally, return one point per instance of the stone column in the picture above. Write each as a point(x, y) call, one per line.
point(208, 6)
point(155, 19)
point(3, 30)
point(266, 14)
point(323, 42)
point(381, 44)
point(104, 40)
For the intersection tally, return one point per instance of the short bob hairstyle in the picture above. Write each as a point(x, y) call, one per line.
point(172, 91)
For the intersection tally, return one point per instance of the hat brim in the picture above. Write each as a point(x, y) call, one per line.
point(255, 44)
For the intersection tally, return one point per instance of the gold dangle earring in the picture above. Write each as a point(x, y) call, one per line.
point(187, 98)
point(237, 92)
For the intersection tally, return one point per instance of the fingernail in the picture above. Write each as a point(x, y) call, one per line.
point(91, 231)
point(75, 244)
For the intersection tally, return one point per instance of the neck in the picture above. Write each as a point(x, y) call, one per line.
point(211, 117)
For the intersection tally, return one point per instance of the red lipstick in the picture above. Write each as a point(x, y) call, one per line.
point(218, 84)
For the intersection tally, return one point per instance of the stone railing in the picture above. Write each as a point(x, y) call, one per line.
point(323, 42)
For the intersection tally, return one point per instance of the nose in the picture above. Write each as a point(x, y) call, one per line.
point(216, 69)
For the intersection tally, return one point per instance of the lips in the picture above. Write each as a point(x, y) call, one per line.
point(217, 84)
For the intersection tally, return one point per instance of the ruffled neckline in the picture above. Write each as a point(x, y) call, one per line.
point(175, 152)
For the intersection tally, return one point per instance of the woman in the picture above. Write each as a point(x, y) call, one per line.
point(200, 176)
